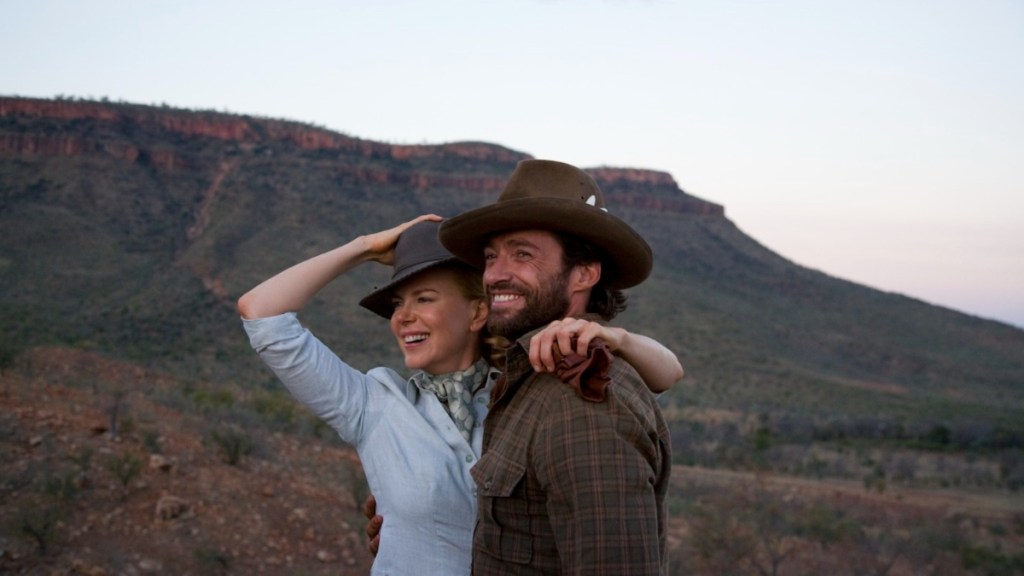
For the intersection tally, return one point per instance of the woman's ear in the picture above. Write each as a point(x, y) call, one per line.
point(479, 318)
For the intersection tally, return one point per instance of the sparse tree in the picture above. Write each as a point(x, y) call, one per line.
point(39, 524)
point(233, 442)
point(125, 468)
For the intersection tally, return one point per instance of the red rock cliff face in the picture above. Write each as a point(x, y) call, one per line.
point(60, 109)
point(628, 187)
point(237, 129)
point(606, 176)
point(68, 145)
point(650, 190)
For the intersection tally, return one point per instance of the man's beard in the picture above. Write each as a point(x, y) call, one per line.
point(542, 307)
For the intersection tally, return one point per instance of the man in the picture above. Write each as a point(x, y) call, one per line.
point(573, 478)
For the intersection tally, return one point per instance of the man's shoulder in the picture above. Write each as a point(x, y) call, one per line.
point(624, 384)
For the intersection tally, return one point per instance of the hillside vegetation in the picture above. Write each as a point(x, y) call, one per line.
point(128, 232)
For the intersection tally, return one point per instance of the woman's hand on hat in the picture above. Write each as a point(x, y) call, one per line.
point(380, 246)
point(567, 336)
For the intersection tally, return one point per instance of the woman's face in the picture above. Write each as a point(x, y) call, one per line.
point(436, 326)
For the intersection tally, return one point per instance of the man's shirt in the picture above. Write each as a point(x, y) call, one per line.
point(570, 486)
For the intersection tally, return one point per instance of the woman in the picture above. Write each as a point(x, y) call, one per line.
point(417, 438)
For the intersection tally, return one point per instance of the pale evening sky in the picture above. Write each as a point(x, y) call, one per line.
point(878, 141)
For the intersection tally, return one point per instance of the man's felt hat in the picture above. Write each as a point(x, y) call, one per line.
point(558, 197)
point(418, 249)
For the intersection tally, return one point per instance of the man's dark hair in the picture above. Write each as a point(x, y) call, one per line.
point(604, 301)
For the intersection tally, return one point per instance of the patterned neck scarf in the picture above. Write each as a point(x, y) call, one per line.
point(455, 391)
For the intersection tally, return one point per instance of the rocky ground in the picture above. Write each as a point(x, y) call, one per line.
point(108, 469)
point(159, 495)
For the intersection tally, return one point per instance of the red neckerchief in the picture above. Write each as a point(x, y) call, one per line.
point(588, 375)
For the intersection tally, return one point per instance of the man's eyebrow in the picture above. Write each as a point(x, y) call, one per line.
point(513, 243)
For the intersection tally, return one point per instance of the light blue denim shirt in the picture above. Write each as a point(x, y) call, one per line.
point(416, 462)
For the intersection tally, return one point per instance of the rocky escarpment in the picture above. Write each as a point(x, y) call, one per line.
point(40, 127)
point(225, 127)
point(650, 190)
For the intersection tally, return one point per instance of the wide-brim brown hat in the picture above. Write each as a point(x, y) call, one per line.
point(417, 250)
point(558, 197)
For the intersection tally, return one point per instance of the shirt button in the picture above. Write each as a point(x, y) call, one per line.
point(469, 458)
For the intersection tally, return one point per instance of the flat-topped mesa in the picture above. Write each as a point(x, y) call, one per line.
point(216, 125)
point(59, 109)
point(650, 190)
point(243, 130)
point(607, 176)
point(479, 151)
point(20, 134)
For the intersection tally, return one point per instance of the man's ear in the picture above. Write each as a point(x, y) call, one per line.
point(586, 276)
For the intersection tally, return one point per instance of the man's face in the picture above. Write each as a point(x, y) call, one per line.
point(526, 281)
